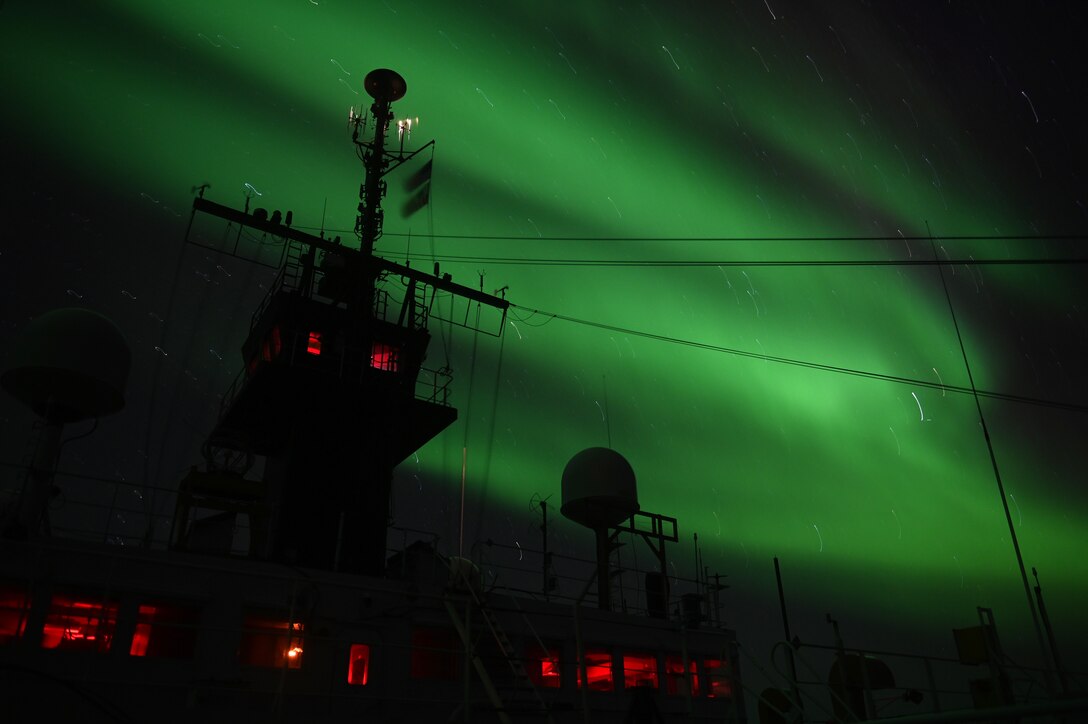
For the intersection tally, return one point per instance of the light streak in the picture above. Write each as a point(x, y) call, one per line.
point(1019, 513)
point(943, 393)
point(898, 449)
point(1024, 93)
point(761, 59)
point(921, 415)
point(670, 57)
point(820, 537)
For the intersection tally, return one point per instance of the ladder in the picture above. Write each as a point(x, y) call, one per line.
point(522, 682)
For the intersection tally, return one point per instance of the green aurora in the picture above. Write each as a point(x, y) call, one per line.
point(623, 134)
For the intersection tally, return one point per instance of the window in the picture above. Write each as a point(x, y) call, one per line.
point(639, 670)
point(719, 683)
point(598, 670)
point(165, 630)
point(358, 664)
point(436, 654)
point(14, 608)
point(79, 624)
point(542, 666)
point(676, 683)
point(270, 642)
point(384, 357)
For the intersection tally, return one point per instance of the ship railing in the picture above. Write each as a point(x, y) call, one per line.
point(562, 578)
point(105, 510)
point(921, 682)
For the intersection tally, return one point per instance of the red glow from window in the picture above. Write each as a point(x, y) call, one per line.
point(313, 345)
point(270, 642)
point(14, 608)
point(358, 664)
point(718, 681)
point(79, 624)
point(639, 670)
point(277, 342)
point(384, 356)
point(542, 667)
point(675, 681)
point(165, 630)
point(436, 654)
point(598, 670)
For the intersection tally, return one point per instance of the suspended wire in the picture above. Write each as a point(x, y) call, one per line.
point(1072, 407)
point(879, 237)
point(993, 461)
point(656, 263)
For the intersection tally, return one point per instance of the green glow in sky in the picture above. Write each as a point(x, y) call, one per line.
point(643, 122)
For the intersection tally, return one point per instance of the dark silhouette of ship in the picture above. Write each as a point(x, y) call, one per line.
point(314, 619)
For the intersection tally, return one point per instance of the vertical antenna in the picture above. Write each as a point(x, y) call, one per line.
point(993, 464)
point(461, 535)
point(607, 417)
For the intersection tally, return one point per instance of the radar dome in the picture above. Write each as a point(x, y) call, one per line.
point(599, 488)
point(69, 365)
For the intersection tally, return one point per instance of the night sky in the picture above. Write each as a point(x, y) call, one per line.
point(714, 226)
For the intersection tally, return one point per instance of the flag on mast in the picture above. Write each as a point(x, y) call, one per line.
point(419, 186)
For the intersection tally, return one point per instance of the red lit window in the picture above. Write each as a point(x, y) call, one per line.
point(270, 642)
point(165, 630)
point(358, 664)
point(542, 667)
point(313, 344)
point(719, 683)
point(80, 624)
point(639, 670)
point(675, 681)
point(14, 608)
point(277, 342)
point(598, 670)
point(436, 654)
point(384, 356)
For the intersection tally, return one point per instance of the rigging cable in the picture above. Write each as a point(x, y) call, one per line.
point(997, 472)
point(1072, 407)
point(468, 421)
point(485, 479)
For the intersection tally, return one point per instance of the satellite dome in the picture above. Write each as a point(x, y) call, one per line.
point(599, 488)
point(69, 365)
point(385, 85)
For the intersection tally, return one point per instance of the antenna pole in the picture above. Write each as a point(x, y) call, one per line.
point(607, 417)
point(997, 471)
point(544, 543)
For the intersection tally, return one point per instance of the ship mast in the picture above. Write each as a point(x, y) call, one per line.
point(335, 392)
